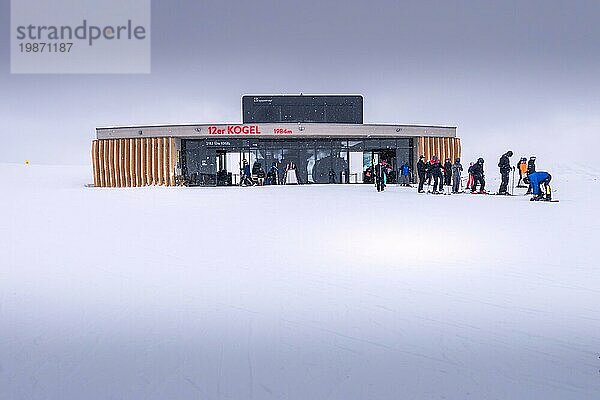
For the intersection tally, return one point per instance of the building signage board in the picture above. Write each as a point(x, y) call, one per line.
point(226, 131)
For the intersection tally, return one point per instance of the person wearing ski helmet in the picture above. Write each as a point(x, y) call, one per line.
point(478, 176)
point(470, 178)
point(505, 168)
point(421, 171)
point(531, 165)
point(448, 172)
point(539, 182)
point(456, 172)
point(436, 173)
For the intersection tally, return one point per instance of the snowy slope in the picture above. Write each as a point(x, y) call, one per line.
point(322, 292)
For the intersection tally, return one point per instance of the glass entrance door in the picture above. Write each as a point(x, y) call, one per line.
point(223, 175)
point(229, 165)
point(374, 157)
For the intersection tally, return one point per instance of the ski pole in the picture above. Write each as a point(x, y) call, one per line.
point(513, 181)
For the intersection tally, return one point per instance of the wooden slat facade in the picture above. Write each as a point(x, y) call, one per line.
point(441, 147)
point(152, 161)
point(133, 162)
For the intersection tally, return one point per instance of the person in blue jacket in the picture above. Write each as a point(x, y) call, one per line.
point(273, 175)
point(539, 183)
point(405, 175)
point(246, 178)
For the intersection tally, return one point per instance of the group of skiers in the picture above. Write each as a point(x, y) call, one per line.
point(449, 174)
point(536, 182)
point(258, 176)
point(382, 171)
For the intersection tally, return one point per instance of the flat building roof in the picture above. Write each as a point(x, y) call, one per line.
point(275, 130)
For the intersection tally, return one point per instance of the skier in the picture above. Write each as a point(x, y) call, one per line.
point(380, 176)
point(245, 179)
point(421, 171)
point(436, 172)
point(273, 175)
point(405, 175)
point(260, 176)
point(505, 168)
point(470, 179)
point(428, 172)
point(522, 167)
point(531, 165)
point(456, 172)
point(530, 170)
point(478, 176)
point(539, 182)
point(448, 172)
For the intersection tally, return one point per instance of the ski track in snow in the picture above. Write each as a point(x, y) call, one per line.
point(321, 292)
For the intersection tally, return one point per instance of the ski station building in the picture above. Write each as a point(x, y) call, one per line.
point(323, 135)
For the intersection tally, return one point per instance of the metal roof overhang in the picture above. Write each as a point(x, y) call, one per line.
point(275, 131)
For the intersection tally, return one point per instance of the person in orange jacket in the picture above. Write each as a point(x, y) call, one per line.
point(522, 167)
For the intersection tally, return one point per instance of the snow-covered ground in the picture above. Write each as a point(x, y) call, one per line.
point(322, 292)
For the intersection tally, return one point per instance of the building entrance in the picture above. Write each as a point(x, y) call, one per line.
point(211, 162)
point(229, 165)
point(374, 157)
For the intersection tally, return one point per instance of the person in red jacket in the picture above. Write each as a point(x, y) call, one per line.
point(436, 172)
point(471, 179)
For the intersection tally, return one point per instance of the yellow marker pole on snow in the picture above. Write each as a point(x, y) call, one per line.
point(26, 162)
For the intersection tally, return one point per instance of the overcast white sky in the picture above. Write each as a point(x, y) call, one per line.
point(520, 75)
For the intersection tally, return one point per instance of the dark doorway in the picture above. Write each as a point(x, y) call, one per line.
point(224, 177)
point(376, 156)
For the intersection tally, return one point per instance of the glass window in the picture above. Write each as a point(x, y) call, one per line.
point(301, 158)
point(387, 143)
point(200, 167)
point(234, 163)
point(371, 144)
point(323, 144)
point(339, 167)
point(274, 156)
point(368, 163)
point(310, 165)
point(322, 165)
point(269, 144)
point(403, 156)
point(356, 167)
point(404, 143)
point(355, 145)
point(339, 144)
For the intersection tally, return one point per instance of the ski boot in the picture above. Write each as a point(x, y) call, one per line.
point(548, 193)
